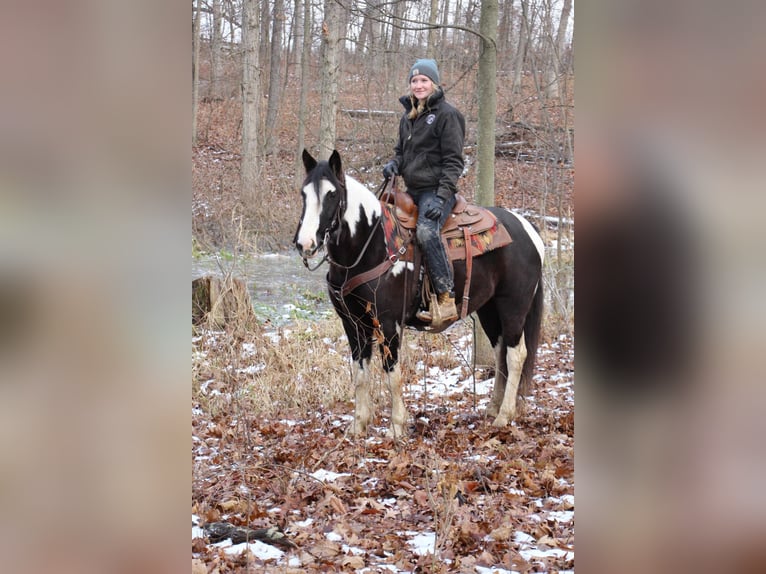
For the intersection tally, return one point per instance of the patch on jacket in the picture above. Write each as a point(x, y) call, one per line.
point(430, 119)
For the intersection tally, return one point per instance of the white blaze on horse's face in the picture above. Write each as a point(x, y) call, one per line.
point(307, 234)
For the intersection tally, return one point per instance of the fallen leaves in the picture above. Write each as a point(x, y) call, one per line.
point(487, 495)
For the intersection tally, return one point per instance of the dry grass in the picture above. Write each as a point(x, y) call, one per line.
point(267, 373)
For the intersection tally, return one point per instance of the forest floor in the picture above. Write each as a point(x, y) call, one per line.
point(456, 495)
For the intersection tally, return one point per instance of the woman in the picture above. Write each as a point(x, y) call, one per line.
point(429, 157)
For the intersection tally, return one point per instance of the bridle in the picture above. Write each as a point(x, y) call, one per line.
point(335, 226)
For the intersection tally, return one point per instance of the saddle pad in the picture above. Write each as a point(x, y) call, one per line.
point(481, 242)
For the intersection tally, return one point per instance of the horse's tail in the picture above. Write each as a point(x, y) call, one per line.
point(532, 330)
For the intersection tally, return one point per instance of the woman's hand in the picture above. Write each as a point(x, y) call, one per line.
point(434, 211)
point(390, 169)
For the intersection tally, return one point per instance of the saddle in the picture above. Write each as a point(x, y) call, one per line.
point(469, 231)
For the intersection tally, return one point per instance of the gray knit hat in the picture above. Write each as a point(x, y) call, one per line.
point(425, 67)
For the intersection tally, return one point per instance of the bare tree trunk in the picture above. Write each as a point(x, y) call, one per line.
point(331, 39)
point(297, 30)
point(394, 65)
point(504, 27)
point(432, 30)
point(518, 61)
point(549, 54)
point(485, 194)
point(445, 23)
point(302, 111)
point(555, 67)
point(561, 33)
point(215, 52)
point(195, 71)
point(251, 92)
point(275, 68)
point(264, 43)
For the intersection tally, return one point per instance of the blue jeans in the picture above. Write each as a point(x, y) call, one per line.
point(429, 239)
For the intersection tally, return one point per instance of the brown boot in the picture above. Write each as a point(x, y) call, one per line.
point(442, 310)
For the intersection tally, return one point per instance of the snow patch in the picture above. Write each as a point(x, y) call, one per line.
point(328, 475)
point(422, 543)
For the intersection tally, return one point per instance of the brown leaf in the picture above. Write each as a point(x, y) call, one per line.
point(229, 505)
point(502, 533)
point(325, 549)
point(354, 562)
point(421, 498)
point(336, 504)
point(198, 567)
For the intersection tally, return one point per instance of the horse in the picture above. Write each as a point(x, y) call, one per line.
point(343, 218)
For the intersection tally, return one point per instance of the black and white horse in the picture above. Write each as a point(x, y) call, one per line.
point(344, 217)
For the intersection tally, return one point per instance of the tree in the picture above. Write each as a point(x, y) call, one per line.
point(521, 48)
point(251, 92)
point(485, 194)
point(432, 29)
point(275, 68)
point(554, 65)
point(485, 176)
point(331, 39)
point(216, 39)
point(302, 112)
point(195, 71)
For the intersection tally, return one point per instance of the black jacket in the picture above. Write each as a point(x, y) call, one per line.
point(429, 153)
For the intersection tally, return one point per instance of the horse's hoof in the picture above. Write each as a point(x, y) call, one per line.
point(500, 421)
point(395, 433)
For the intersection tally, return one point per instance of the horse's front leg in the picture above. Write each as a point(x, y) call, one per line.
point(397, 428)
point(363, 408)
point(361, 352)
point(390, 355)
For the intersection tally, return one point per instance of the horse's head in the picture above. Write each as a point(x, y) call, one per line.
point(324, 199)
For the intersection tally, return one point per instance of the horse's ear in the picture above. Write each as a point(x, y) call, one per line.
point(308, 161)
point(335, 165)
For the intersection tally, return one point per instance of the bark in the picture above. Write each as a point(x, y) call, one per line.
point(518, 61)
point(264, 43)
point(485, 194)
point(195, 71)
point(331, 39)
point(302, 111)
point(251, 91)
point(219, 303)
point(297, 28)
point(275, 68)
point(432, 20)
point(394, 65)
point(215, 52)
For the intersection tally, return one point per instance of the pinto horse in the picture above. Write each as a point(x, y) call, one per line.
point(343, 217)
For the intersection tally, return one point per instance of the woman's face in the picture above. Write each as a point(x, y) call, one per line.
point(421, 86)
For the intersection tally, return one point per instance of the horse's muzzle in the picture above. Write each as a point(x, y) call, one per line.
point(309, 252)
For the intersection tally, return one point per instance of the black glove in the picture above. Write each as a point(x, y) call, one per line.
point(434, 210)
point(390, 169)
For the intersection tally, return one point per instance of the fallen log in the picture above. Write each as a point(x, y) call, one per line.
point(219, 531)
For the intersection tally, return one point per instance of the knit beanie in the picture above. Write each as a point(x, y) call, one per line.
point(425, 67)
